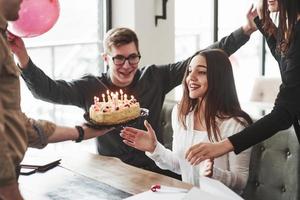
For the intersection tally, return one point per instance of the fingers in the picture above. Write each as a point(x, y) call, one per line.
point(10, 36)
point(198, 148)
point(150, 130)
point(250, 9)
point(196, 154)
point(148, 126)
point(127, 135)
point(208, 173)
point(131, 129)
point(129, 143)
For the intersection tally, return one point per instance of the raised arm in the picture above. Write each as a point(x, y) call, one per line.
point(41, 85)
point(270, 39)
point(239, 37)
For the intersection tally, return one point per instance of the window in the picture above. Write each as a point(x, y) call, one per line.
point(69, 50)
point(246, 61)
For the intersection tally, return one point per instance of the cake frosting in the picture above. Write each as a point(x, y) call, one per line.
point(114, 109)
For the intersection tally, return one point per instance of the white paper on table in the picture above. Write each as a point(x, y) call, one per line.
point(175, 194)
point(217, 188)
point(196, 194)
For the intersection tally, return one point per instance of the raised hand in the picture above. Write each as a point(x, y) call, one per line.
point(207, 168)
point(250, 26)
point(17, 46)
point(202, 151)
point(259, 8)
point(139, 139)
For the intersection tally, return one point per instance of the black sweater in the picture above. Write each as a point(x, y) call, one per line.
point(286, 110)
point(149, 87)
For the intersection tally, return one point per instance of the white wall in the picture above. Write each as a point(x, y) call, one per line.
point(156, 42)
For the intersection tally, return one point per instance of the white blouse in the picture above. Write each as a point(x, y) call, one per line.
point(230, 169)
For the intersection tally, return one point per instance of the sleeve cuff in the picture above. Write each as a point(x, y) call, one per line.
point(43, 130)
point(234, 140)
point(257, 21)
point(156, 153)
point(27, 71)
point(240, 35)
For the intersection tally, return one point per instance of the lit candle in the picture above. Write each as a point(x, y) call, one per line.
point(103, 97)
point(114, 99)
point(121, 94)
point(125, 97)
point(108, 96)
point(117, 99)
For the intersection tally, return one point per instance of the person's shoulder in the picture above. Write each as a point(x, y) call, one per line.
point(149, 68)
point(90, 79)
point(154, 71)
point(239, 121)
point(232, 124)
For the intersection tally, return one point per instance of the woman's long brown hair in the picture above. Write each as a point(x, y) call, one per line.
point(288, 13)
point(221, 101)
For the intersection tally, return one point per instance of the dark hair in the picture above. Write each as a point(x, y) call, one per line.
point(118, 37)
point(288, 11)
point(221, 97)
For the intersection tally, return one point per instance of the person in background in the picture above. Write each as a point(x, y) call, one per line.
point(148, 84)
point(284, 44)
point(207, 112)
point(17, 131)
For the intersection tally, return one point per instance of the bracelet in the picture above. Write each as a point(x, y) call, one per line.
point(80, 134)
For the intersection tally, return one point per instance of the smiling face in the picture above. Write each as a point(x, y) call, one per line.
point(272, 5)
point(196, 80)
point(122, 74)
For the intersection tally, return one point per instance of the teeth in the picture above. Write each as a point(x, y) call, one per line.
point(193, 86)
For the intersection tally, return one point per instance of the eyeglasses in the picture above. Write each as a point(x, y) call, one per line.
point(133, 59)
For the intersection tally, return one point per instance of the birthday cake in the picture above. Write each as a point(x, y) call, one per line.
point(114, 109)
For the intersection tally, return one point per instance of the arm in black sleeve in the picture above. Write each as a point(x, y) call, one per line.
point(173, 73)
point(44, 88)
point(232, 42)
point(279, 119)
point(270, 39)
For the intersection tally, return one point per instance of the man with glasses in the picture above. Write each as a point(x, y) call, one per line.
point(148, 84)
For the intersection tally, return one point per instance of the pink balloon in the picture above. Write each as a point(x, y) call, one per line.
point(35, 18)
